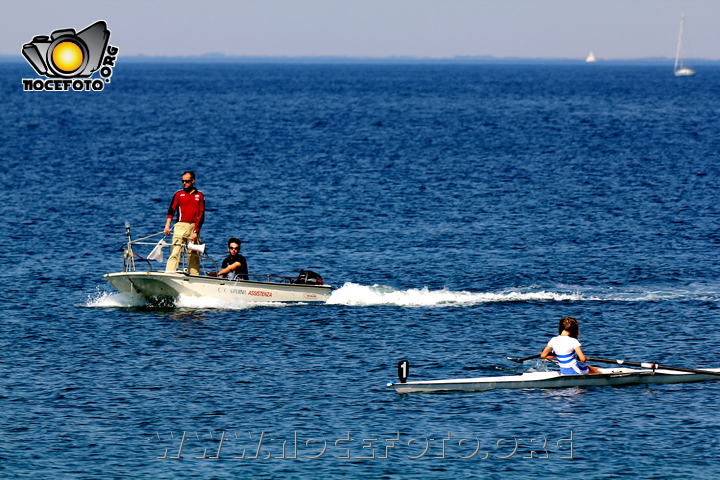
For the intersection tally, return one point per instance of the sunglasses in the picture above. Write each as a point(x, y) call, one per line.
point(233, 248)
point(187, 181)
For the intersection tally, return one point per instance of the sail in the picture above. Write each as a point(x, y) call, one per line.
point(680, 69)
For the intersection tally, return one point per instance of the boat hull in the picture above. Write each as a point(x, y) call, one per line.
point(173, 284)
point(684, 72)
point(608, 377)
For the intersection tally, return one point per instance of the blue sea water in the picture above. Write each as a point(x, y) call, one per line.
point(459, 210)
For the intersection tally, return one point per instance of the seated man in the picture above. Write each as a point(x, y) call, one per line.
point(234, 266)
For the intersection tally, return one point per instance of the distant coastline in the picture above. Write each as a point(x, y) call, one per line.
point(329, 60)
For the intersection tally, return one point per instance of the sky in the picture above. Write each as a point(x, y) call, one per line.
point(548, 29)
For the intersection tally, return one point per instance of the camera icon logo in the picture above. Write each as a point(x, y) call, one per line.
point(68, 54)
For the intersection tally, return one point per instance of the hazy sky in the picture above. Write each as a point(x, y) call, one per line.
point(613, 29)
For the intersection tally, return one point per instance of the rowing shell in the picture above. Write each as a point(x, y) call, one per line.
point(608, 377)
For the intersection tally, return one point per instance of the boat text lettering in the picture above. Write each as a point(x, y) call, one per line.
point(233, 291)
point(258, 293)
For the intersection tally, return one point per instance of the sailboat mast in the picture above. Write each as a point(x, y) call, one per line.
point(677, 53)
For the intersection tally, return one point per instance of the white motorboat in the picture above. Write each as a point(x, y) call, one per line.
point(680, 69)
point(307, 287)
point(615, 376)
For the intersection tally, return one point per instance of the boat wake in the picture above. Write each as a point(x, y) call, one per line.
point(103, 299)
point(216, 303)
point(361, 295)
point(353, 294)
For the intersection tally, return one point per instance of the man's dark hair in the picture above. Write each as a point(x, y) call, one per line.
point(234, 240)
point(191, 173)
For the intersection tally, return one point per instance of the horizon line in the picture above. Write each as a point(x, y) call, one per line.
point(222, 57)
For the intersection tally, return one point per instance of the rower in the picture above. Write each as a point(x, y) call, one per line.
point(567, 349)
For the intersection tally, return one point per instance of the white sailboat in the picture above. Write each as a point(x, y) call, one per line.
point(590, 58)
point(680, 69)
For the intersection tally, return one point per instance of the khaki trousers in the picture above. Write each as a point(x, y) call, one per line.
point(181, 235)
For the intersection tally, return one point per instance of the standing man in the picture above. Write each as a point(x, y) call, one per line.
point(189, 204)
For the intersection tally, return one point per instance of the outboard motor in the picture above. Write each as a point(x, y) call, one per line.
point(308, 277)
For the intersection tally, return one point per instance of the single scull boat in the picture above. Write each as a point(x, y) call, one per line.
point(615, 376)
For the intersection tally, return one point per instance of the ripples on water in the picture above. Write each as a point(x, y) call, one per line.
point(459, 211)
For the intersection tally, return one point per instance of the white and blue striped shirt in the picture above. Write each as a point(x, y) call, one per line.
point(564, 348)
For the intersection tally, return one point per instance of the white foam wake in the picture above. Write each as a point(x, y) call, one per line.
point(104, 299)
point(184, 301)
point(112, 299)
point(354, 294)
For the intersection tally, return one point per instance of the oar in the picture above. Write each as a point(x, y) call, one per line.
point(652, 365)
point(521, 360)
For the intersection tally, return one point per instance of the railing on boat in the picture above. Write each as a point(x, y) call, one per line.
point(130, 257)
point(130, 254)
point(268, 277)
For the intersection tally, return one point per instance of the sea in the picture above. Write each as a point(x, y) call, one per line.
point(458, 210)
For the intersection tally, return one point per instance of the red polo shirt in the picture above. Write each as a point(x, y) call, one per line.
point(190, 207)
